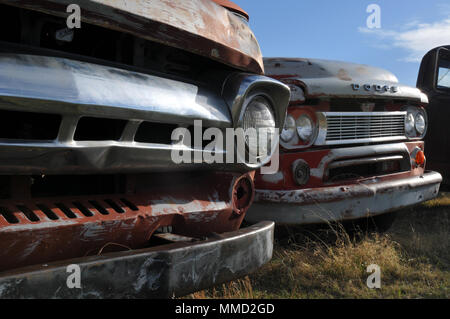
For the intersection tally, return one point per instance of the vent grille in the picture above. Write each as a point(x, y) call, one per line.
point(47, 210)
point(349, 127)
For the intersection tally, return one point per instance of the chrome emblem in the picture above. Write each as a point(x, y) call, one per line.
point(375, 87)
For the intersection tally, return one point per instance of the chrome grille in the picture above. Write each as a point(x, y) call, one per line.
point(361, 127)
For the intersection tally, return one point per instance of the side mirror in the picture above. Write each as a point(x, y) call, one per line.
point(442, 71)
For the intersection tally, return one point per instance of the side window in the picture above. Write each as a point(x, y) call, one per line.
point(443, 71)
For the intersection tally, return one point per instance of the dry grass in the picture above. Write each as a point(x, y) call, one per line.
point(414, 257)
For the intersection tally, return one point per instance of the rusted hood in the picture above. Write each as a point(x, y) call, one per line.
point(233, 7)
point(200, 26)
point(327, 78)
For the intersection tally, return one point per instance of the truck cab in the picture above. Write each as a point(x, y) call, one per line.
point(434, 80)
point(352, 146)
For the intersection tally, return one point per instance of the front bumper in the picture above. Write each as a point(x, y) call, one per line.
point(159, 272)
point(337, 203)
point(42, 230)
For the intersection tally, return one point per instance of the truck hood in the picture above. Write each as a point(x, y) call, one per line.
point(233, 7)
point(200, 26)
point(336, 79)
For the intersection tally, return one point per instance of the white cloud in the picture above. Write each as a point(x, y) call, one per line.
point(416, 38)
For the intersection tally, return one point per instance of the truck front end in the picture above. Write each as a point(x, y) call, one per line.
point(352, 146)
point(90, 178)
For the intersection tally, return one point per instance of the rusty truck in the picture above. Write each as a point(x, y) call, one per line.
point(87, 181)
point(352, 147)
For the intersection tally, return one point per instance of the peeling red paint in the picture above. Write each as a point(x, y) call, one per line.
point(232, 6)
point(315, 160)
point(125, 220)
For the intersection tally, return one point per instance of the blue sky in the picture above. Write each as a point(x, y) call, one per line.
point(337, 30)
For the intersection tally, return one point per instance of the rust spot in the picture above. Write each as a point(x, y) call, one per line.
point(343, 75)
point(42, 230)
point(232, 7)
point(199, 26)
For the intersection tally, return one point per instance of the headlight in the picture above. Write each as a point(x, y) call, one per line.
point(420, 124)
point(409, 124)
point(305, 128)
point(416, 122)
point(259, 116)
point(289, 129)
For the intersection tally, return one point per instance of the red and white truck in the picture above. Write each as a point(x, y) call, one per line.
point(352, 146)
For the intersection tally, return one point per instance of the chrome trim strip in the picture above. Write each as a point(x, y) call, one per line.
point(100, 157)
point(356, 152)
point(365, 140)
point(361, 161)
point(364, 113)
point(68, 87)
point(322, 129)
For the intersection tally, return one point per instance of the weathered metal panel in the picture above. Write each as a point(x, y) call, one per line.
point(159, 272)
point(35, 83)
point(233, 7)
point(326, 78)
point(319, 162)
point(200, 26)
point(42, 230)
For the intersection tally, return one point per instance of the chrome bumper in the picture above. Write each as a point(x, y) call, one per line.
point(159, 272)
point(347, 202)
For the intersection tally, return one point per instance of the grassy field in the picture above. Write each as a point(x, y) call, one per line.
point(414, 257)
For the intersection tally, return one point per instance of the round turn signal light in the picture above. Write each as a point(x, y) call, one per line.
point(420, 158)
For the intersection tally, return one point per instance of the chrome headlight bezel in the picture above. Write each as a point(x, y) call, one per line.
point(237, 91)
point(410, 124)
point(289, 129)
point(258, 105)
point(414, 115)
point(420, 124)
point(274, 140)
point(300, 140)
point(305, 133)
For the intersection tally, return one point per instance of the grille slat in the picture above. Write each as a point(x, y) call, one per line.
point(362, 127)
point(350, 128)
